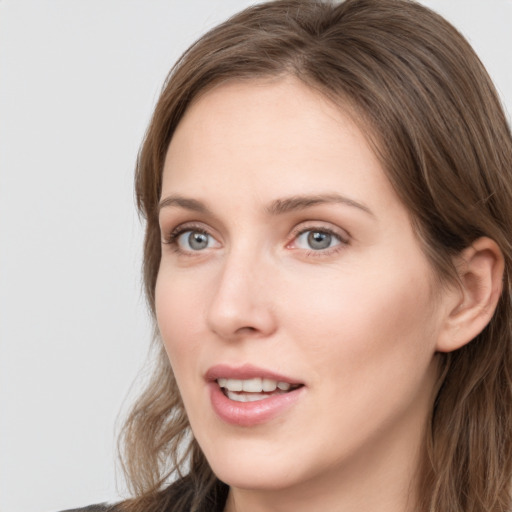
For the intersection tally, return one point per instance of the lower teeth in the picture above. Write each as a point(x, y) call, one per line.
point(248, 397)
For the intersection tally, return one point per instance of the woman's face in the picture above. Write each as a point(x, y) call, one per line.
point(288, 261)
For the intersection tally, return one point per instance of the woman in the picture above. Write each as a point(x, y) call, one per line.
point(327, 257)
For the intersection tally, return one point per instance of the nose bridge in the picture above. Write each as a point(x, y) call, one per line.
point(241, 302)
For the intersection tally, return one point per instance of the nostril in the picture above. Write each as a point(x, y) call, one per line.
point(248, 329)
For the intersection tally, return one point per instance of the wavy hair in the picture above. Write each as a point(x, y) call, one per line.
point(434, 119)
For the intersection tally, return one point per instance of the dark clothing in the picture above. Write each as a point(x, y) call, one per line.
point(178, 497)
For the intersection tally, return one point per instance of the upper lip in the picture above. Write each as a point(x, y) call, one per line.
point(246, 371)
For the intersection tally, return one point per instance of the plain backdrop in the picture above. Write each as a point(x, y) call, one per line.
point(78, 81)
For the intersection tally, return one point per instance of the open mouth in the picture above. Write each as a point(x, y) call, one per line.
point(252, 390)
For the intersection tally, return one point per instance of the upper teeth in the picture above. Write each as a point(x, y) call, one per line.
point(256, 385)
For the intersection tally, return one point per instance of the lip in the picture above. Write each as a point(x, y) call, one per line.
point(246, 371)
point(247, 414)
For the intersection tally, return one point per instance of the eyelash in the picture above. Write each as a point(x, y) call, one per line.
point(172, 239)
point(343, 241)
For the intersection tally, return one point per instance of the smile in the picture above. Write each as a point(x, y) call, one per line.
point(252, 390)
point(248, 396)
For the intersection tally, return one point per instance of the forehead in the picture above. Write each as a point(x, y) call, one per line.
point(271, 137)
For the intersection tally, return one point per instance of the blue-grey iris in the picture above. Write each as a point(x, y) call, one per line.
point(318, 240)
point(197, 241)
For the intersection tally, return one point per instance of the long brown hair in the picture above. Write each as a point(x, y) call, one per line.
point(434, 119)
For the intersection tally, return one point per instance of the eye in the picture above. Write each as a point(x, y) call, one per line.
point(194, 240)
point(318, 239)
point(191, 240)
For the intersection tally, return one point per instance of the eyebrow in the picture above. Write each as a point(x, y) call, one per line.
point(276, 207)
point(294, 203)
point(184, 202)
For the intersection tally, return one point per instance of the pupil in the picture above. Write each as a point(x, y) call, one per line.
point(318, 240)
point(198, 241)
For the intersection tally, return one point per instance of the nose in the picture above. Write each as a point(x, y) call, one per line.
point(242, 302)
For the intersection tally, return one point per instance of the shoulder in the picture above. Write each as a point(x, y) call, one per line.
point(103, 507)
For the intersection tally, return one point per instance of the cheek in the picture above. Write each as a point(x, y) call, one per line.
point(177, 312)
point(369, 352)
point(366, 322)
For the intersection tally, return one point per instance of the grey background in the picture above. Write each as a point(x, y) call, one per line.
point(78, 80)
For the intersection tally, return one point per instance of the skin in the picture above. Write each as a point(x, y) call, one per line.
point(356, 323)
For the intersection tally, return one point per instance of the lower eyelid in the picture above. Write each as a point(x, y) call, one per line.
point(331, 251)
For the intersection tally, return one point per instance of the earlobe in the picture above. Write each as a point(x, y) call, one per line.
point(480, 268)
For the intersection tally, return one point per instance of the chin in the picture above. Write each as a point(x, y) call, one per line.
point(255, 477)
point(255, 468)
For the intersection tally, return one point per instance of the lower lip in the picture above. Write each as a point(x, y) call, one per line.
point(247, 414)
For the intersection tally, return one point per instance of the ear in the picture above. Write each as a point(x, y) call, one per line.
point(472, 304)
